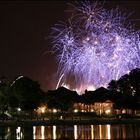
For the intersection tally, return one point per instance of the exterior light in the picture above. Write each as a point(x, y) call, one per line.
point(54, 110)
point(123, 111)
point(75, 110)
point(43, 110)
point(19, 109)
point(108, 111)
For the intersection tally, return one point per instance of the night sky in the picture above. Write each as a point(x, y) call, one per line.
point(24, 36)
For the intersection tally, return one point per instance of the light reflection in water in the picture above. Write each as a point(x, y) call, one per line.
point(92, 132)
point(75, 132)
point(42, 132)
point(100, 131)
point(72, 132)
point(19, 134)
point(108, 131)
point(34, 132)
point(8, 133)
point(54, 132)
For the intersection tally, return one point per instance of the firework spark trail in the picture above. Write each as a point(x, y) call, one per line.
point(96, 45)
point(59, 81)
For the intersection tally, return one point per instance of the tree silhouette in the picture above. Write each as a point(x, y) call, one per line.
point(129, 90)
point(61, 98)
point(27, 92)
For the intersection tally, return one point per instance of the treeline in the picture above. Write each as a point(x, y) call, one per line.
point(27, 95)
point(21, 93)
point(124, 93)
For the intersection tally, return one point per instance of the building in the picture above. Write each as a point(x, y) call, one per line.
point(98, 107)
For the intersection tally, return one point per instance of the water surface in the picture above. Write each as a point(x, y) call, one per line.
point(72, 132)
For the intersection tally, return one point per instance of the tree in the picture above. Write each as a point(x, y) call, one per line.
point(27, 93)
point(61, 98)
point(3, 102)
point(3, 95)
point(129, 87)
point(134, 77)
point(113, 85)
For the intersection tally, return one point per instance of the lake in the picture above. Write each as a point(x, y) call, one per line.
point(130, 131)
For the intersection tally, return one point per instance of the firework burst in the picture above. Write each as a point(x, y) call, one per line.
point(96, 45)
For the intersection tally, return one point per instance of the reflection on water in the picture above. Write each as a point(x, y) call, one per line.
point(54, 132)
point(92, 131)
point(34, 132)
point(72, 132)
point(75, 132)
point(108, 131)
point(42, 132)
point(19, 134)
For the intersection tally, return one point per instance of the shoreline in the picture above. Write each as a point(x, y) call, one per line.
point(69, 122)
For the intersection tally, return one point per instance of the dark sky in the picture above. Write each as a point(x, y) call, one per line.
point(24, 31)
